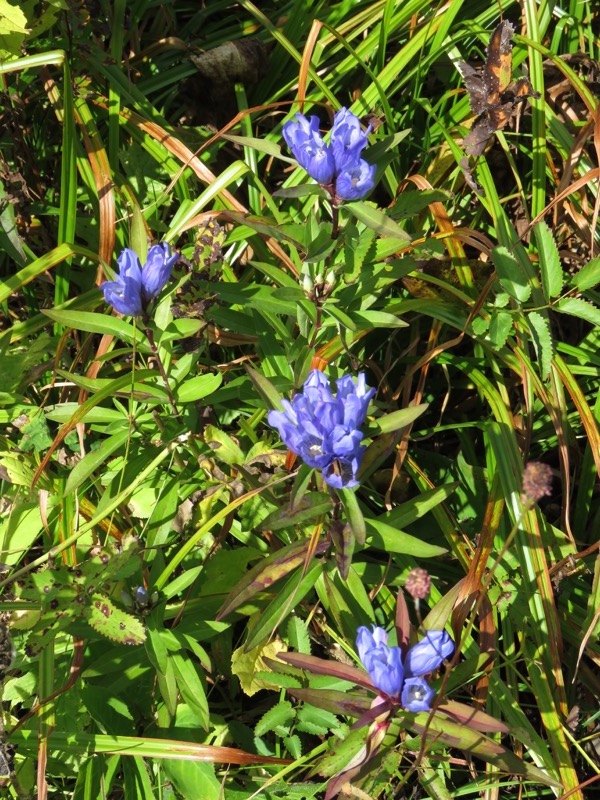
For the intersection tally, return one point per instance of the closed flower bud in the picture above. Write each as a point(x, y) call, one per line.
point(355, 181)
point(135, 286)
point(428, 654)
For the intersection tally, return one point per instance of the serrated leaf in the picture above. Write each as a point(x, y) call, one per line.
point(551, 270)
point(579, 308)
point(511, 276)
point(501, 325)
point(588, 276)
point(297, 634)
point(542, 340)
point(293, 745)
point(317, 720)
point(280, 714)
point(112, 622)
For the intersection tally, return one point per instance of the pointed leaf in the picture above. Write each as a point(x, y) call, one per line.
point(266, 572)
point(333, 700)
point(552, 276)
point(353, 514)
point(579, 308)
point(265, 388)
point(442, 729)
point(335, 669)
point(113, 623)
point(377, 220)
point(399, 419)
point(313, 504)
point(512, 278)
point(472, 717)
point(588, 276)
point(542, 340)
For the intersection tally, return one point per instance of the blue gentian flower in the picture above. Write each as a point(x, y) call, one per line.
point(338, 165)
point(355, 181)
point(398, 680)
point(324, 429)
point(135, 286)
point(309, 149)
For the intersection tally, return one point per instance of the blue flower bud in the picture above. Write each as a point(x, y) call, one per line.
point(309, 149)
point(383, 663)
point(347, 140)
point(157, 270)
point(134, 286)
point(125, 292)
point(428, 654)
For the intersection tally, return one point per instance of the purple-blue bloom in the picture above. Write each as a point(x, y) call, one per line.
point(337, 165)
point(309, 149)
point(135, 286)
point(399, 680)
point(324, 429)
point(355, 181)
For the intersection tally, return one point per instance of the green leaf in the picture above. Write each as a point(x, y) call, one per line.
point(542, 340)
point(353, 514)
point(97, 323)
point(113, 623)
point(391, 540)
point(512, 278)
point(190, 686)
point(94, 459)
point(310, 506)
point(198, 387)
point(265, 388)
point(280, 714)
point(501, 325)
point(399, 419)
point(318, 721)
point(588, 276)
point(576, 307)
point(376, 319)
point(377, 220)
point(552, 276)
point(266, 572)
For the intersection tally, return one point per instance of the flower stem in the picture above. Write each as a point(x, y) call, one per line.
point(150, 337)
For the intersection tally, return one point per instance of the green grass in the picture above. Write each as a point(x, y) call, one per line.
point(481, 310)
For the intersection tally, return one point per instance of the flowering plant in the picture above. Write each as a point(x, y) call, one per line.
point(338, 166)
point(135, 286)
point(324, 429)
point(398, 680)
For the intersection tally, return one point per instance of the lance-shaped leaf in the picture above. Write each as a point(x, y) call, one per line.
point(353, 514)
point(472, 717)
point(265, 573)
point(312, 505)
point(441, 729)
point(113, 623)
point(319, 666)
point(333, 700)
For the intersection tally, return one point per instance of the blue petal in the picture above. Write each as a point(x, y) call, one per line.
point(157, 269)
point(417, 695)
point(428, 654)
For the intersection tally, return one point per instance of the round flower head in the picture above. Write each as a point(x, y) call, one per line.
point(324, 429)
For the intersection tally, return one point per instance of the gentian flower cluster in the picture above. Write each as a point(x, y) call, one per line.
point(324, 429)
point(337, 165)
point(135, 286)
point(400, 679)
